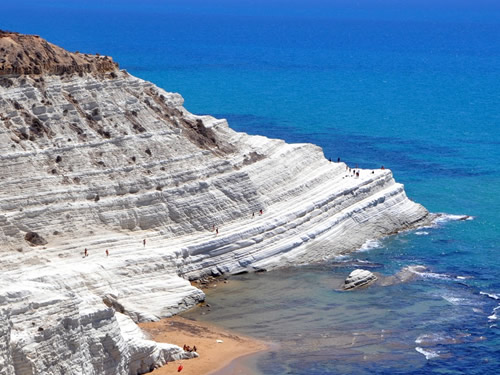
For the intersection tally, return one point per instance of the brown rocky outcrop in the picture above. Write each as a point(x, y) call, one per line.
point(29, 54)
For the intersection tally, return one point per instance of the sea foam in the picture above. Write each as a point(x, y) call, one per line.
point(370, 244)
point(429, 354)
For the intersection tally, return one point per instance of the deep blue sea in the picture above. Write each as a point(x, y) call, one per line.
point(411, 85)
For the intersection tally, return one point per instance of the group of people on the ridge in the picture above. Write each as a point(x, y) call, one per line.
point(216, 229)
point(352, 170)
point(86, 252)
point(261, 212)
point(187, 348)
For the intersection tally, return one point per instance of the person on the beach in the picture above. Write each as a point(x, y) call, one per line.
point(194, 348)
point(107, 252)
point(85, 253)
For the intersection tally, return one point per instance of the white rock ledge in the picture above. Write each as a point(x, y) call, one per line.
point(103, 162)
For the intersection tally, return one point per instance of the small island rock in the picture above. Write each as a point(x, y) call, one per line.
point(359, 278)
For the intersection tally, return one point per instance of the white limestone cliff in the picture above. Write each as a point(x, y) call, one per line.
point(103, 160)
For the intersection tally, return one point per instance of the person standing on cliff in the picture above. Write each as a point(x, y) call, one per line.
point(107, 253)
point(144, 242)
point(85, 253)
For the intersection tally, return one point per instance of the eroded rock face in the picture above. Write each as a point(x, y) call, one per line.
point(103, 161)
point(30, 54)
point(6, 362)
point(35, 239)
point(359, 278)
point(61, 333)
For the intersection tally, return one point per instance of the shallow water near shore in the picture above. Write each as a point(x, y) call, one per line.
point(439, 322)
point(411, 86)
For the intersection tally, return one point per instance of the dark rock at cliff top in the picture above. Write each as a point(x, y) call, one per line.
point(29, 54)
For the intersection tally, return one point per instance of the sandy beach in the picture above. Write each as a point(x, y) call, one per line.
point(213, 355)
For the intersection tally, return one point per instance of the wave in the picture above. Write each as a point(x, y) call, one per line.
point(422, 233)
point(444, 218)
point(496, 297)
point(429, 354)
point(370, 244)
point(490, 295)
point(439, 338)
point(494, 316)
point(430, 339)
point(432, 275)
point(457, 301)
point(423, 272)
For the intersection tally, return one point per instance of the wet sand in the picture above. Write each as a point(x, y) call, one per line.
point(213, 356)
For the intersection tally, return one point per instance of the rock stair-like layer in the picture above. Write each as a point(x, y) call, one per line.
point(104, 161)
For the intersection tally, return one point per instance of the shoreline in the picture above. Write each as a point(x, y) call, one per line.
point(214, 356)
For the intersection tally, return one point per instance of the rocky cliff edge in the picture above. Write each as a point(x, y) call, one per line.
point(94, 158)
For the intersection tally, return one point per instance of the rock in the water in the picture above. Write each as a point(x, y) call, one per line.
point(359, 278)
point(406, 274)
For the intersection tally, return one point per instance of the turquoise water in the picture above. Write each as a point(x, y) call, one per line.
point(413, 86)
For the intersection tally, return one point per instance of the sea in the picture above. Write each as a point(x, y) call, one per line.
point(411, 85)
